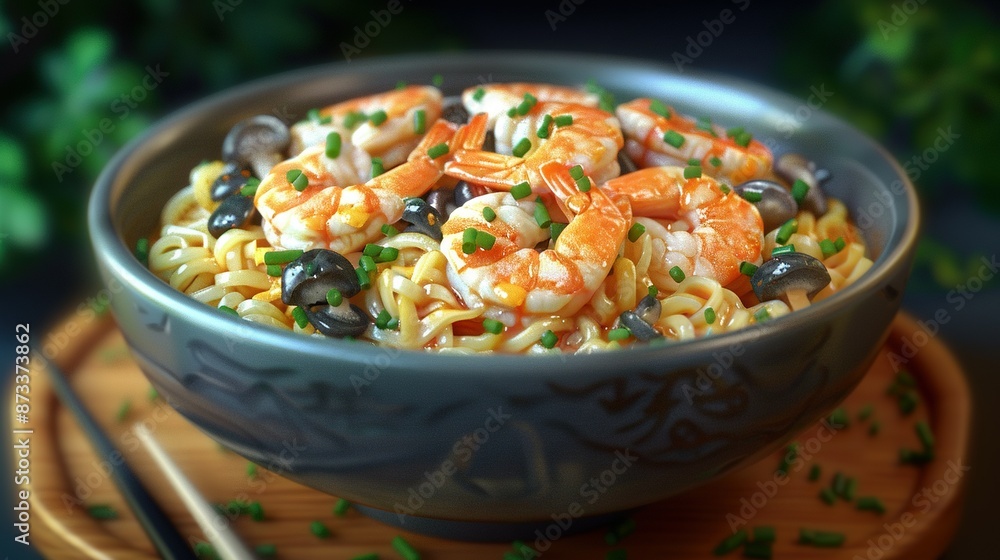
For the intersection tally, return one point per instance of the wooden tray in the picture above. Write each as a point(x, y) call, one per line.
point(923, 503)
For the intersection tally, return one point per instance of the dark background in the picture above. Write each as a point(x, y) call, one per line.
point(901, 71)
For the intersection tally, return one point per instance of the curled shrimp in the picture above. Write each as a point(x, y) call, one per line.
point(514, 275)
point(392, 139)
point(324, 214)
point(708, 232)
point(737, 159)
point(571, 134)
point(497, 99)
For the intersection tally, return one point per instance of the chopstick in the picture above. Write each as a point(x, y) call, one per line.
point(161, 531)
point(216, 529)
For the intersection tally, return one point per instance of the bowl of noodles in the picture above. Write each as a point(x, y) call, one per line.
point(472, 293)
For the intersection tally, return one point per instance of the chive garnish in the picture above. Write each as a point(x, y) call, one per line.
point(752, 196)
point(334, 297)
point(716, 162)
point(393, 324)
point(925, 435)
point(485, 240)
point(371, 250)
point(251, 469)
point(142, 250)
point(299, 315)
point(825, 539)
point(828, 496)
point(363, 278)
point(229, 311)
point(437, 150)
point(874, 428)
point(850, 488)
point(520, 190)
point(827, 247)
point(383, 319)
point(378, 117)
point(543, 127)
point(583, 183)
point(521, 147)
point(102, 511)
point(256, 511)
point(865, 412)
point(673, 138)
point(478, 94)
point(401, 84)
point(205, 550)
point(814, 473)
point(297, 179)
point(282, 257)
point(658, 107)
point(763, 533)
point(250, 188)
point(709, 315)
point(266, 550)
point(563, 120)
point(839, 243)
point(760, 550)
point(621, 333)
point(549, 339)
point(636, 231)
point(274, 270)
point(341, 508)
point(542, 217)
point(388, 230)
point(404, 548)
point(731, 132)
point(761, 315)
point(469, 241)
point(692, 172)
point(354, 117)
point(786, 230)
point(839, 418)
point(555, 229)
point(799, 190)
point(783, 250)
point(493, 326)
point(153, 394)
point(489, 214)
point(319, 530)
point(694, 161)
point(747, 269)
point(677, 274)
point(908, 402)
point(839, 483)
point(313, 115)
point(387, 254)
point(724, 188)
point(377, 168)
point(512, 112)
point(870, 503)
point(731, 543)
point(653, 290)
point(367, 263)
point(743, 139)
point(437, 80)
point(420, 121)
point(576, 172)
point(333, 143)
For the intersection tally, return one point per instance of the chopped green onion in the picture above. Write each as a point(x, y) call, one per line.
point(102, 511)
point(525, 106)
point(760, 550)
point(850, 488)
point(542, 217)
point(372, 250)
point(401, 84)
point(783, 250)
point(549, 339)
point(521, 147)
point(250, 188)
point(908, 402)
point(520, 190)
point(677, 274)
point(824, 539)
point(377, 168)
point(229, 311)
point(761, 315)
point(870, 503)
point(387, 254)
point(827, 495)
point(404, 548)
point(673, 138)
point(378, 117)
point(786, 230)
point(333, 144)
point(715, 161)
point(256, 511)
point(142, 250)
point(251, 469)
point(282, 257)
point(911, 457)
point(393, 324)
point(313, 114)
point(297, 179)
point(153, 394)
point(576, 172)
point(341, 508)
point(657, 106)
point(437, 150)
point(363, 279)
point(555, 228)
point(709, 315)
point(763, 533)
point(731, 543)
point(469, 241)
point(874, 428)
point(383, 319)
point(747, 269)
point(420, 121)
point(205, 550)
point(814, 473)
point(925, 435)
point(827, 247)
point(543, 127)
point(563, 120)
point(334, 297)
point(512, 112)
point(489, 214)
point(583, 183)
point(621, 333)
point(367, 263)
point(299, 315)
point(624, 528)
point(636, 231)
point(352, 118)
point(274, 270)
point(493, 326)
point(437, 80)
point(485, 240)
point(266, 550)
point(752, 196)
point(839, 483)
point(478, 94)
point(734, 131)
point(724, 188)
point(319, 530)
point(839, 243)
point(799, 190)
point(692, 172)
point(705, 123)
point(694, 161)
point(839, 418)
point(653, 290)
point(743, 139)
point(865, 412)
point(389, 230)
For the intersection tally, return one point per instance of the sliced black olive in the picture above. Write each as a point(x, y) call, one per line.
point(791, 271)
point(443, 200)
point(465, 192)
point(640, 329)
point(234, 211)
point(306, 280)
point(625, 163)
point(648, 309)
point(346, 319)
point(234, 176)
point(793, 166)
point(490, 142)
point(423, 218)
point(776, 204)
point(452, 110)
point(259, 142)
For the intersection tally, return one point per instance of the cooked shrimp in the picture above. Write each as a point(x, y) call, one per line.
point(392, 139)
point(573, 135)
point(721, 156)
point(708, 232)
point(513, 274)
point(325, 214)
point(497, 99)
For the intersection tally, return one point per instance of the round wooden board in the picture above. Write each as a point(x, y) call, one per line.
point(923, 503)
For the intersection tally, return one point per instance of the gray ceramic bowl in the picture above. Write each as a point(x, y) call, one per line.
point(487, 447)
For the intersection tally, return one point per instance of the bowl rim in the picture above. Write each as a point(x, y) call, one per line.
point(112, 251)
